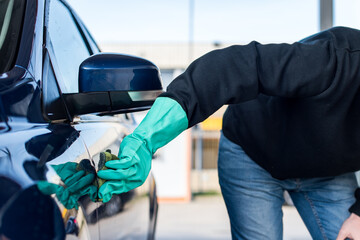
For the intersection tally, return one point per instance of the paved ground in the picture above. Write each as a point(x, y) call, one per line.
point(205, 218)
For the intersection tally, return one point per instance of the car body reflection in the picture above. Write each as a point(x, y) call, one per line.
point(46, 122)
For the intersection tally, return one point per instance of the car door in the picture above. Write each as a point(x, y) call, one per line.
point(126, 216)
point(38, 134)
point(65, 49)
point(29, 145)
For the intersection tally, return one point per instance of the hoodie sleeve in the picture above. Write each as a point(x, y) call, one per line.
point(239, 73)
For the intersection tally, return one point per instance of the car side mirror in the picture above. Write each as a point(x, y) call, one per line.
point(115, 83)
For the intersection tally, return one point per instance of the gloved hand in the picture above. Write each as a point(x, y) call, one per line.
point(165, 120)
point(78, 180)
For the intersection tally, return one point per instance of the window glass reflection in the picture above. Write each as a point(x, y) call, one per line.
point(68, 45)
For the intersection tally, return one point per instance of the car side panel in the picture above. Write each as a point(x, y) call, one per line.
point(126, 215)
point(27, 154)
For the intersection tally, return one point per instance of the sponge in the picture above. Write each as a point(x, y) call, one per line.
point(104, 157)
point(85, 165)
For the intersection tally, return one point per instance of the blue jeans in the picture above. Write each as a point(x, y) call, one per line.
point(254, 198)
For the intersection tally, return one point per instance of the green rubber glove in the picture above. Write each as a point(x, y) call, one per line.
point(78, 180)
point(165, 120)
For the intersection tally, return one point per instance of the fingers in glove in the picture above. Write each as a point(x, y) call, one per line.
point(63, 195)
point(69, 200)
point(109, 188)
point(91, 191)
point(83, 182)
point(74, 178)
point(47, 188)
point(118, 174)
point(121, 163)
point(71, 203)
point(65, 170)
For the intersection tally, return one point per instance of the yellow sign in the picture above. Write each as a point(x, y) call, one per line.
point(212, 124)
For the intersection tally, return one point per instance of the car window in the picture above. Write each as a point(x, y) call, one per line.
point(67, 44)
point(11, 18)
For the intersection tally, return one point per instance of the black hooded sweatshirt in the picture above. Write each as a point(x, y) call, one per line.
point(293, 108)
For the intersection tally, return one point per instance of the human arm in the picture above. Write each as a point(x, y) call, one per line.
point(234, 75)
point(165, 120)
point(240, 73)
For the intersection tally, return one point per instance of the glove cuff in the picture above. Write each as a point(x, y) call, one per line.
point(165, 120)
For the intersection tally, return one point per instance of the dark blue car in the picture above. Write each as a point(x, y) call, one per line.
point(62, 101)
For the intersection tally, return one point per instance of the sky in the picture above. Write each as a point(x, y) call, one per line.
point(225, 21)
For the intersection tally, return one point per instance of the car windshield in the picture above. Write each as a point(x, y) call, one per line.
point(11, 18)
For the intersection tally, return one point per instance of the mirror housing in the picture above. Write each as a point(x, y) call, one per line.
point(115, 83)
point(115, 72)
